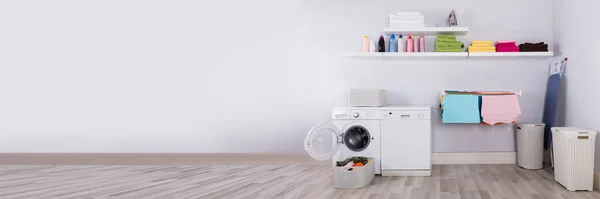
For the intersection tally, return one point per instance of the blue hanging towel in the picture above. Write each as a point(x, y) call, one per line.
point(461, 109)
point(550, 107)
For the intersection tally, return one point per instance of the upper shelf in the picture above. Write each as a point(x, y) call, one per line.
point(428, 31)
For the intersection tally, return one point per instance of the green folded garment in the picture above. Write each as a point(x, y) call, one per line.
point(446, 37)
point(448, 50)
point(448, 42)
point(449, 45)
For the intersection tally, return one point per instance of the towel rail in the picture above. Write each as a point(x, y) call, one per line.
point(474, 92)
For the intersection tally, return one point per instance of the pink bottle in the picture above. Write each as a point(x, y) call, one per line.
point(410, 45)
point(422, 44)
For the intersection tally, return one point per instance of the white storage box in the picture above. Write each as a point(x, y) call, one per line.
point(367, 98)
point(573, 150)
point(359, 177)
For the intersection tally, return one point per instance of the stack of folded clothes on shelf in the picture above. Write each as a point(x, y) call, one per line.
point(407, 20)
point(506, 46)
point(448, 43)
point(482, 46)
point(534, 47)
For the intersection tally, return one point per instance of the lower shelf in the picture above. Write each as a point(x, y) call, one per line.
point(512, 55)
point(425, 55)
point(451, 55)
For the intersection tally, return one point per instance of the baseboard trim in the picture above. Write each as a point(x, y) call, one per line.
point(155, 159)
point(221, 159)
point(597, 181)
point(474, 158)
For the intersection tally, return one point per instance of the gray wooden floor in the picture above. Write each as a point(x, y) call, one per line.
point(272, 181)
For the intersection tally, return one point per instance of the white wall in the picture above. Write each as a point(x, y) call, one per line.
point(235, 75)
point(576, 27)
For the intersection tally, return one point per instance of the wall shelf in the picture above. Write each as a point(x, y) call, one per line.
point(512, 55)
point(450, 55)
point(419, 55)
point(428, 31)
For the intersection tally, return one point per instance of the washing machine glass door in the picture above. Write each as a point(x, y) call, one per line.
point(323, 141)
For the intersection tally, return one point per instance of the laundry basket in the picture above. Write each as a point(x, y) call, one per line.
point(574, 157)
point(358, 177)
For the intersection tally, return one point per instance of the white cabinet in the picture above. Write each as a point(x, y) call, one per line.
point(406, 143)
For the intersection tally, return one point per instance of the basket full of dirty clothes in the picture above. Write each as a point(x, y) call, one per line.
point(353, 173)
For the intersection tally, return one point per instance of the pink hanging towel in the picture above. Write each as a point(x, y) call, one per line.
point(500, 109)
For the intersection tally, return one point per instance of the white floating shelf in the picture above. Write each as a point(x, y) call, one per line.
point(418, 55)
point(511, 55)
point(428, 31)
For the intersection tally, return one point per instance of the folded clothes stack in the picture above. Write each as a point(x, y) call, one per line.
point(506, 46)
point(407, 20)
point(534, 47)
point(482, 46)
point(448, 43)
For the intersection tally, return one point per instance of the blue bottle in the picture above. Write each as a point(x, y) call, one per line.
point(393, 44)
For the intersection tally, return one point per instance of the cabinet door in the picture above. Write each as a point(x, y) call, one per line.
point(405, 143)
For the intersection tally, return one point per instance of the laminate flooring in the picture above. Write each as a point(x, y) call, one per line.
point(272, 181)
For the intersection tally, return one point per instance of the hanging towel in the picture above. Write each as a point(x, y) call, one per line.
point(461, 109)
point(497, 109)
point(549, 118)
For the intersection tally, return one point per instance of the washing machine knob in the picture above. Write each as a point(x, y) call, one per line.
point(356, 115)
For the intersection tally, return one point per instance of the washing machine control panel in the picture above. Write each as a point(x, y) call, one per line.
point(356, 114)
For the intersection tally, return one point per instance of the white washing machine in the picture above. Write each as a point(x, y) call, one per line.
point(398, 138)
point(354, 131)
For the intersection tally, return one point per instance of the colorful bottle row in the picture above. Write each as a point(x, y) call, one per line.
point(412, 44)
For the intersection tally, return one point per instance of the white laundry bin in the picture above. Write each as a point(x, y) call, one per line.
point(530, 145)
point(358, 178)
point(573, 150)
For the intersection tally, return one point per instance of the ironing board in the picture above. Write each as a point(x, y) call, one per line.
point(551, 104)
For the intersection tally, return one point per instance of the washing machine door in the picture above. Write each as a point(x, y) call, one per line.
point(323, 141)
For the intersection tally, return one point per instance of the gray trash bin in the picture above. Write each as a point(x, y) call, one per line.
point(530, 145)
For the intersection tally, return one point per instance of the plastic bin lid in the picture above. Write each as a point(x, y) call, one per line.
point(572, 130)
point(531, 125)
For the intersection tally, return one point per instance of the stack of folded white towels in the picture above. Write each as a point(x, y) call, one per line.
point(407, 20)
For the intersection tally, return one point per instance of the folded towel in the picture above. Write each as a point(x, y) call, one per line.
point(449, 50)
point(481, 48)
point(406, 26)
point(482, 45)
point(407, 21)
point(534, 50)
point(506, 42)
point(461, 109)
point(500, 109)
point(506, 45)
point(448, 42)
point(481, 51)
point(446, 37)
point(449, 46)
point(533, 45)
point(482, 42)
point(508, 48)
